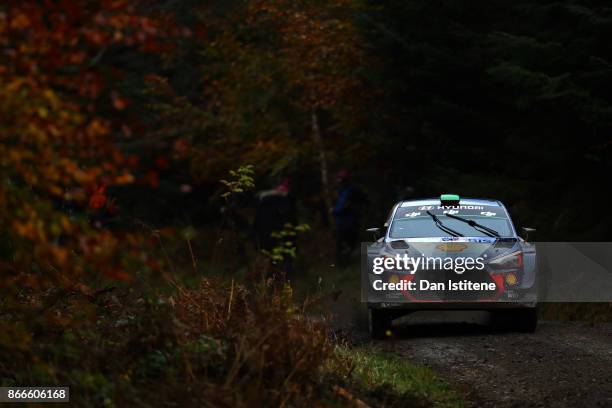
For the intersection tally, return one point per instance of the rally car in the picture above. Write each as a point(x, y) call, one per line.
point(452, 228)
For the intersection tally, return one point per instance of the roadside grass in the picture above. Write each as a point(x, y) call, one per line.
point(379, 378)
point(383, 379)
point(587, 312)
point(202, 339)
point(210, 345)
point(362, 374)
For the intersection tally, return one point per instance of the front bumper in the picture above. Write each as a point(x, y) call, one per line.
point(445, 305)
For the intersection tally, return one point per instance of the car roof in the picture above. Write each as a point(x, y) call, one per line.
point(463, 201)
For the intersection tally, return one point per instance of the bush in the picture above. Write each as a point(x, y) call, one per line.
point(220, 344)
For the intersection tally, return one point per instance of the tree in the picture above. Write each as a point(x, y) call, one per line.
point(60, 118)
point(268, 73)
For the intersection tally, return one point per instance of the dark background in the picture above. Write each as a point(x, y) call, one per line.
point(495, 99)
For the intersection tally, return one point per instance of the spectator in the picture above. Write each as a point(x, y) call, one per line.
point(275, 208)
point(346, 217)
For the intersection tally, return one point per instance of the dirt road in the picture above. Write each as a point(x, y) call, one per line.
point(564, 364)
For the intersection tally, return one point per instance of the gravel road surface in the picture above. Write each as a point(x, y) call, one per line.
point(563, 364)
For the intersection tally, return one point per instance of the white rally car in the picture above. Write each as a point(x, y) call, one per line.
point(455, 227)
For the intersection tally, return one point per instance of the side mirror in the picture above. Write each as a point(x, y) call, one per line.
point(375, 231)
point(527, 231)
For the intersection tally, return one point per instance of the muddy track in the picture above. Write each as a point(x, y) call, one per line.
point(563, 364)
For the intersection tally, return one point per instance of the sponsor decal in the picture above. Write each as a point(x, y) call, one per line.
point(450, 207)
point(479, 240)
point(461, 207)
point(452, 247)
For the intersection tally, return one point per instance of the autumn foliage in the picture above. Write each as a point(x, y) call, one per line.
point(87, 92)
point(262, 70)
point(62, 116)
point(114, 113)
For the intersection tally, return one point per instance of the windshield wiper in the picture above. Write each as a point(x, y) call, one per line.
point(442, 226)
point(479, 227)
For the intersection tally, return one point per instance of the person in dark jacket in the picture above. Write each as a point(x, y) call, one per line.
point(275, 208)
point(346, 218)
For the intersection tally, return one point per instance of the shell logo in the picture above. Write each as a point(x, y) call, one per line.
point(452, 246)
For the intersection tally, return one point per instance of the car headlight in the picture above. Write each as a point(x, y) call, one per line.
point(399, 244)
point(513, 260)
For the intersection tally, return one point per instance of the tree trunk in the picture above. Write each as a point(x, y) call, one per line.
point(318, 140)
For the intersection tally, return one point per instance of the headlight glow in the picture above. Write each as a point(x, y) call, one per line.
point(513, 260)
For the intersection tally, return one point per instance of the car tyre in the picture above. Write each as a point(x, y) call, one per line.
point(379, 323)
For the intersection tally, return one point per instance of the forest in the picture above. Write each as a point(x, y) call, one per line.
point(136, 136)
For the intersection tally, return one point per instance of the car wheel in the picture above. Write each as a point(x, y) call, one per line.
point(521, 320)
point(379, 323)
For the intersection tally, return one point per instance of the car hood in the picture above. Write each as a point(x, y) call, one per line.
point(451, 247)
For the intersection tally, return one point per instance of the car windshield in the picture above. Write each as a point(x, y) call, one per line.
point(414, 222)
